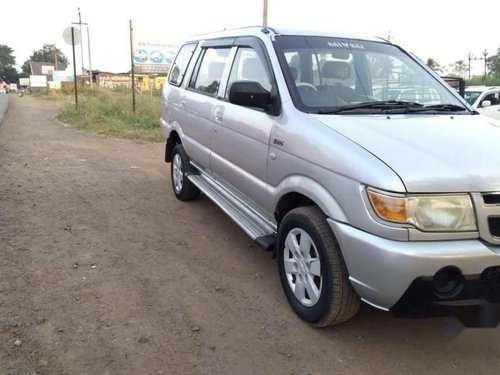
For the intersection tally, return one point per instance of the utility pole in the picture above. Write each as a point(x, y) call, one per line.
point(81, 44)
point(74, 66)
point(485, 54)
point(264, 14)
point(90, 59)
point(469, 58)
point(132, 64)
point(80, 23)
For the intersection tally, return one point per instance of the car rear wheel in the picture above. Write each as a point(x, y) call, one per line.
point(312, 271)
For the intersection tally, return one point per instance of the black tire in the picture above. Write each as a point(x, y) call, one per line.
point(337, 302)
point(185, 191)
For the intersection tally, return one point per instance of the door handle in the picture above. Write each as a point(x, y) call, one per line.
point(183, 103)
point(219, 116)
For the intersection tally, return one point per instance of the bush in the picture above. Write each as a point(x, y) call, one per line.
point(491, 80)
point(110, 112)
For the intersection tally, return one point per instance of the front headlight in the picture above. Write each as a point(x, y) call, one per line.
point(427, 212)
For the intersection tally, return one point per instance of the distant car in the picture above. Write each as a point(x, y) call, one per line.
point(486, 100)
point(478, 96)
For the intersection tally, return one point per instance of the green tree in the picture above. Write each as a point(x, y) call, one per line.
point(493, 63)
point(49, 53)
point(7, 62)
point(459, 68)
point(434, 65)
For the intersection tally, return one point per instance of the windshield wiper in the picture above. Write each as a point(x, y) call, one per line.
point(380, 106)
point(395, 107)
point(440, 108)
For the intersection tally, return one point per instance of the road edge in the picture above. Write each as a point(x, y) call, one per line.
point(4, 105)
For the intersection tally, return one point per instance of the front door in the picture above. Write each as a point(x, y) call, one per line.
point(240, 143)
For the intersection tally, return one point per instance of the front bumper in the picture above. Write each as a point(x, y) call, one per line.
point(476, 302)
point(382, 270)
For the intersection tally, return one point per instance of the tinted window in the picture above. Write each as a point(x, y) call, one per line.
point(248, 66)
point(471, 96)
point(181, 63)
point(210, 71)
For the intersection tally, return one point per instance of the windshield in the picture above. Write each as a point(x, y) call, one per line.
point(471, 96)
point(327, 74)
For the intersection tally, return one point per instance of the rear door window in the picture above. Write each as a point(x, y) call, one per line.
point(209, 73)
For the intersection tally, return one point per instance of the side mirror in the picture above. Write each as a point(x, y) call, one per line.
point(486, 103)
point(249, 94)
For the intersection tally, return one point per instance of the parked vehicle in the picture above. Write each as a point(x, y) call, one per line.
point(486, 100)
point(361, 197)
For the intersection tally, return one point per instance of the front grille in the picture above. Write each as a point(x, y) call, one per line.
point(489, 284)
point(491, 198)
point(488, 216)
point(494, 223)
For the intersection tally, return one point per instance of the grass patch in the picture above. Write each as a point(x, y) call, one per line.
point(110, 112)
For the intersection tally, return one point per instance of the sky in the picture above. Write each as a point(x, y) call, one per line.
point(444, 30)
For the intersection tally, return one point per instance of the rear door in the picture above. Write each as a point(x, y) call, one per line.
point(200, 98)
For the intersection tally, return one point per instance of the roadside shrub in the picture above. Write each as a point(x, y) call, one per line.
point(110, 112)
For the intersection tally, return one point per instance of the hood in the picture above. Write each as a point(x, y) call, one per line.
point(430, 153)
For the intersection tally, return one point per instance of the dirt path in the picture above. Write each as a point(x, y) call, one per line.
point(102, 271)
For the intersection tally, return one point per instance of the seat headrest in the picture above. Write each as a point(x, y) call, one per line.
point(215, 70)
point(336, 69)
point(253, 70)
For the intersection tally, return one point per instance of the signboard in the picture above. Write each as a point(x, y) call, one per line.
point(38, 81)
point(54, 85)
point(47, 69)
point(62, 76)
point(153, 58)
point(24, 81)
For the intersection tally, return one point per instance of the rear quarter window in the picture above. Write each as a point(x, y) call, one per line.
point(178, 70)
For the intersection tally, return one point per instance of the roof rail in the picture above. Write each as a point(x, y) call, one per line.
point(267, 30)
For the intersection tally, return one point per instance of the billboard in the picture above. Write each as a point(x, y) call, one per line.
point(153, 58)
point(62, 76)
point(38, 81)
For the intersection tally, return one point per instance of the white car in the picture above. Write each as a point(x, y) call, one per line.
point(486, 100)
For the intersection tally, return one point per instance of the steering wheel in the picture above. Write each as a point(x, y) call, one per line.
point(306, 85)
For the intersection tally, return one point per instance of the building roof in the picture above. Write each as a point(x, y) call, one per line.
point(44, 68)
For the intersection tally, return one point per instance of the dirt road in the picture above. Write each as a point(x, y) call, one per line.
point(102, 271)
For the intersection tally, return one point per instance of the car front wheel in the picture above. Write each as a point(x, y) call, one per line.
point(312, 271)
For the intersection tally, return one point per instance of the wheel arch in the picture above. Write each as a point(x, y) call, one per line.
point(299, 191)
point(173, 139)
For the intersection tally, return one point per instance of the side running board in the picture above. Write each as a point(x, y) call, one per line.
point(252, 224)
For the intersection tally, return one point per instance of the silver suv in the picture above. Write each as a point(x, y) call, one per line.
point(365, 174)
